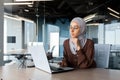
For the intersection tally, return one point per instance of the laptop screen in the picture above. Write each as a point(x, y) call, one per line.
point(39, 57)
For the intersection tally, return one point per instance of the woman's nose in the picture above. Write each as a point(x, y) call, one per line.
point(72, 30)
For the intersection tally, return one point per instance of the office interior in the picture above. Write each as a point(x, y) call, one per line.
point(48, 21)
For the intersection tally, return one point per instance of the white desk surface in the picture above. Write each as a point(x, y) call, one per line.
point(14, 73)
point(115, 51)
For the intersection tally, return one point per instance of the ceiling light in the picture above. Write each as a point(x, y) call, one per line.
point(27, 3)
point(26, 10)
point(114, 15)
point(6, 16)
point(16, 17)
point(89, 17)
point(113, 10)
point(33, 0)
point(30, 5)
point(106, 19)
point(88, 20)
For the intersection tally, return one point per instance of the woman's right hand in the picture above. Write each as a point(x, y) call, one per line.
point(62, 64)
point(76, 42)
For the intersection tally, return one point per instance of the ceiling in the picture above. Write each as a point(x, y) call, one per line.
point(55, 9)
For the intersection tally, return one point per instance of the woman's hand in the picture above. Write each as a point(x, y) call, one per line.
point(62, 64)
point(76, 41)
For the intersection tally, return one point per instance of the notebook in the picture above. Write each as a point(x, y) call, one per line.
point(41, 62)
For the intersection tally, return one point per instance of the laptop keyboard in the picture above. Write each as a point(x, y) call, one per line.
point(56, 68)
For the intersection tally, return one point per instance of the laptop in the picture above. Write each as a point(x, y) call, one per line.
point(41, 62)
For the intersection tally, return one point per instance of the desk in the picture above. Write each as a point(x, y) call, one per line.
point(21, 57)
point(117, 52)
point(16, 53)
point(13, 73)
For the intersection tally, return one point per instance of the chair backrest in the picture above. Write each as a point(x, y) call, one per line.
point(102, 53)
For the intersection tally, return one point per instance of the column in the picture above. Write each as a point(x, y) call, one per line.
point(1, 31)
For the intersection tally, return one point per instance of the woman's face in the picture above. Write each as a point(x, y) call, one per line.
point(74, 30)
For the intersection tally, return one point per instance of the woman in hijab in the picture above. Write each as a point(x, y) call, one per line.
point(78, 50)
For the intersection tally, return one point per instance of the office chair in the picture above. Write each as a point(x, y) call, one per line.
point(22, 58)
point(102, 53)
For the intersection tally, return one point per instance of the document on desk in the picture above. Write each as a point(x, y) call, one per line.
point(102, 52)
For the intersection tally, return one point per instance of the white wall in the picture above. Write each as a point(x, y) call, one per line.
point(112, 32)
point(14, 28)
point(30, 32)
point(101, 34)
point(54, 43)
point(53, 39)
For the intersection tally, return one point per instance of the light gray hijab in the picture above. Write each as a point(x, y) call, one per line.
point(81, 23)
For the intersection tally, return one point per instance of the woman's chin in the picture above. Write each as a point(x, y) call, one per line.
point(73, 37)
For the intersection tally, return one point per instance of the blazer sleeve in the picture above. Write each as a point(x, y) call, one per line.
point(64, 62)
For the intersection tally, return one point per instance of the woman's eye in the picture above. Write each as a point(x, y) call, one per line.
point(73, 27)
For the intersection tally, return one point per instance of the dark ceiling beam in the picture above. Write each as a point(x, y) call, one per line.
point(103, 4)
point(61, 4)
point(36, 4)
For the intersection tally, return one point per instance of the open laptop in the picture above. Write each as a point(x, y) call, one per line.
point(41, 62)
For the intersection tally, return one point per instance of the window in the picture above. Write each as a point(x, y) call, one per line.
point(11, 39)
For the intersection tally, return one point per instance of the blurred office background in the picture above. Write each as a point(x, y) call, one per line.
point(48, 21)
